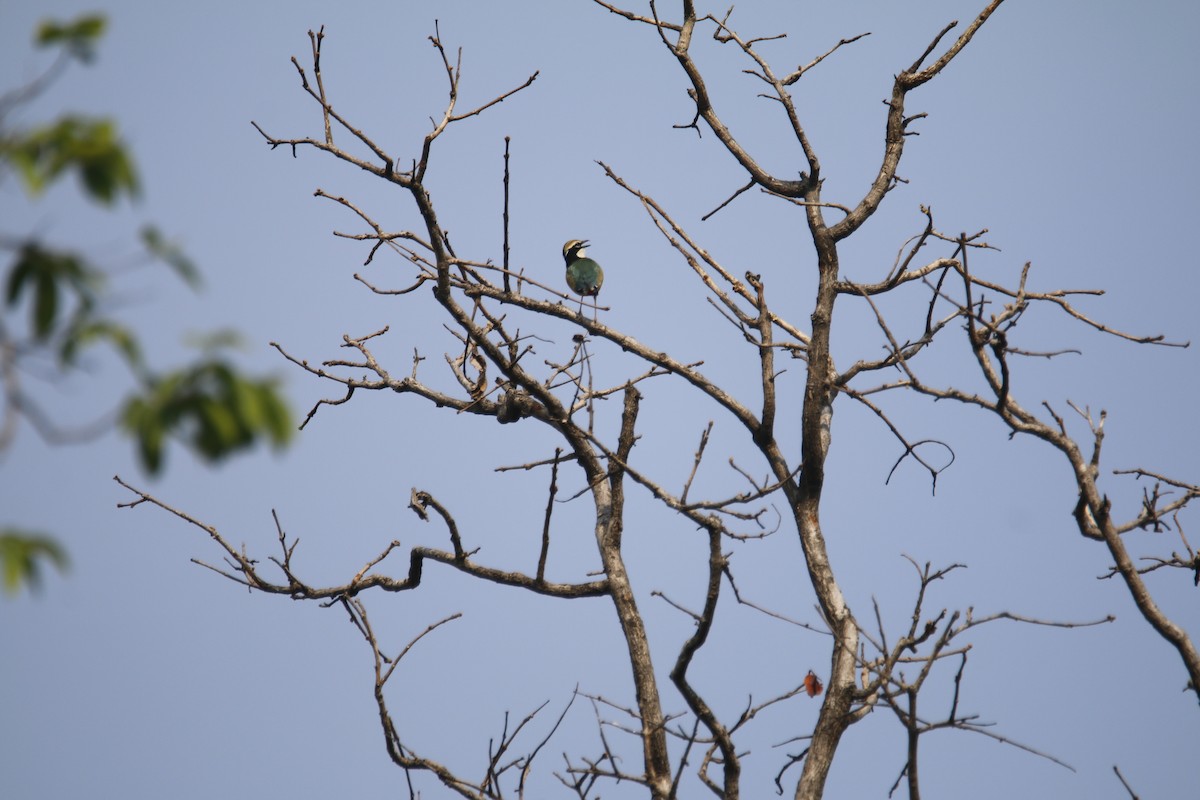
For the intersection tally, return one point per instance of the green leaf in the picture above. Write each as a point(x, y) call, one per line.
point(212, 342)
point(22, 273)
point(87, 332)
point(172, 255)
point(89, 146)
point(48, 275)
point(144, 423)
point(218, 428)
point(79, 37)
point(45, 305)
point(277, 417)
point(21, 553)
point(209, 406)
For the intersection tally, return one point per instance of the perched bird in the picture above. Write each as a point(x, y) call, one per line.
point(584, 276)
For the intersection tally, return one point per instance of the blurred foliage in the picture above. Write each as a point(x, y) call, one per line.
point(210, 406)
point(77, 38)
point(60, 296)
point(90, 146)
point(20, 555)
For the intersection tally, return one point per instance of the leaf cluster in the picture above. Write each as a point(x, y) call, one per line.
point(78, 38)
point(209, 405)
point(20, 555)
point(62, 298)
point(89, 146)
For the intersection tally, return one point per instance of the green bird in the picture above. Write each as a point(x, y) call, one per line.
point(584, 276)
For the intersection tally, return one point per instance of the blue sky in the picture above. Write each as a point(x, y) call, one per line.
point(1064, 129)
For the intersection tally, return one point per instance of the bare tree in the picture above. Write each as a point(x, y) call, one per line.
point(503, 367)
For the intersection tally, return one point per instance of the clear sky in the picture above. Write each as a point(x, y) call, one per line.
point(1066, 129)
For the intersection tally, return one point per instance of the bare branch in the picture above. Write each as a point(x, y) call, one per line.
point(1125, 783)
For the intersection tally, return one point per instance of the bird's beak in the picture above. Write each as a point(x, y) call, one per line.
point(584, 243)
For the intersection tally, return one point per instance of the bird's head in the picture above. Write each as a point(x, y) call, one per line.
point(574, 249)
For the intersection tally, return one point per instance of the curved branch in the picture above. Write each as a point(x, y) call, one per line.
point(896, 128)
